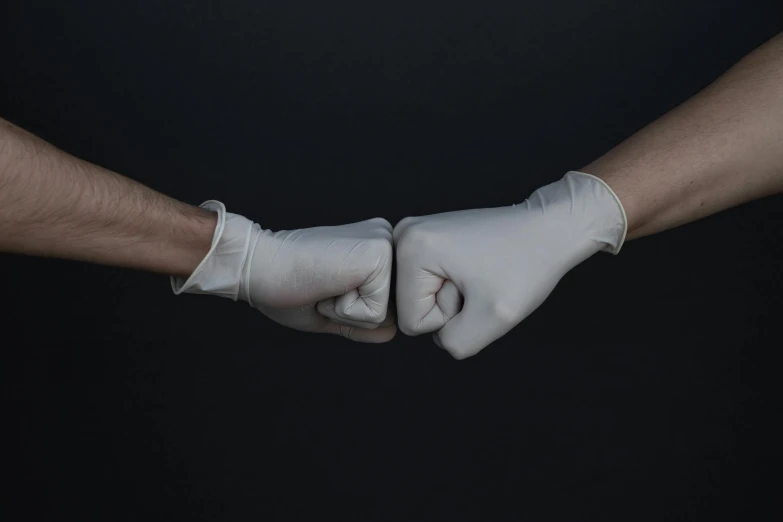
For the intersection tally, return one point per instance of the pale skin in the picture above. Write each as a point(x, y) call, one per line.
point(721, 148)
point(53, 204)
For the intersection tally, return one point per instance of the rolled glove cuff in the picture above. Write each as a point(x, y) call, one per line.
point(610, 224)
point(220, 272)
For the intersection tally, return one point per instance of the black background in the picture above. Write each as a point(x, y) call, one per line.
point(646, 387)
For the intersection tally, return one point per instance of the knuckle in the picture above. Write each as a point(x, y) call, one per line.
point(382, 222)
point(415, 239)
point(407, 328)
point(403, 224)
point(382, 246)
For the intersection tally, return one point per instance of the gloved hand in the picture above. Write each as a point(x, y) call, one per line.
point(502, 263)
point(323, 279)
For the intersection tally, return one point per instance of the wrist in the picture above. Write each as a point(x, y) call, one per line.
point(630, 195)
point(221, 270)
point(191, 240)
point(586, 210)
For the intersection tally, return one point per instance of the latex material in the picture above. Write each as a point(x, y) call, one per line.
point(473, 275)
point(323, 279)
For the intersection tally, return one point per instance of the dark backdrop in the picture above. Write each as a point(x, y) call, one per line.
point(646, 387)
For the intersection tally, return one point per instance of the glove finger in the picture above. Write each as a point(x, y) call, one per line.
point(365, 299)
point(370, 308)
point(378, 335)
point(308, 319)
point(449, 299)
point(402, 225)
point(417, 302)
point(382, 224)
point(472, 329)
point(373, 294)
point(448, 303)
point(328, 308)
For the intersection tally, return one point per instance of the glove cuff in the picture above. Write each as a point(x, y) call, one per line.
point(610, 225)
point(220, 272)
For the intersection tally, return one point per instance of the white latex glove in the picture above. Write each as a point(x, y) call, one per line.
point(502, 263)
point(323, 279)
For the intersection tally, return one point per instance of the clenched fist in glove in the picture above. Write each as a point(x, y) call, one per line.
point(471, 276)
point(323, 279)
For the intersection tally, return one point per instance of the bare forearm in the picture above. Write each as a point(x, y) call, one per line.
point(53, 204)
point(721, 148)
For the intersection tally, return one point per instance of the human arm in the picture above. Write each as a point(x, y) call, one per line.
point(472, 276)
point(719, 149)
point(56, 205)
point(324, 279)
